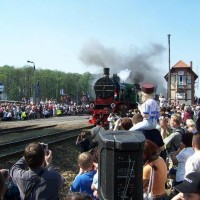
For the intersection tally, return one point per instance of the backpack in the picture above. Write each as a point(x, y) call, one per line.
point(12, 192)
point(181, 131)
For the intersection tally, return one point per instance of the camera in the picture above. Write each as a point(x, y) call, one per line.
point(45, 146)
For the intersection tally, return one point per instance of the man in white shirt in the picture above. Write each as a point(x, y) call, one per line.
point(181, 155)
point(193, 162)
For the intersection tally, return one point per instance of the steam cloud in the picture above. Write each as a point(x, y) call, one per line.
point(136, 67)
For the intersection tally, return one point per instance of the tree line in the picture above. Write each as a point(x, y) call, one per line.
point(26, 82)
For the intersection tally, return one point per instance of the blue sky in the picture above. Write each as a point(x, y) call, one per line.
point(64, 34)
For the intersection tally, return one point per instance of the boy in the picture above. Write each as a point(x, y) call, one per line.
point(83, 181)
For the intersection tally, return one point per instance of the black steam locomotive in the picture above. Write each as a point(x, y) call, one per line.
point(112, 96)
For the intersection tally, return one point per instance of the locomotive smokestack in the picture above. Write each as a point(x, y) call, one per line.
point(106, 72)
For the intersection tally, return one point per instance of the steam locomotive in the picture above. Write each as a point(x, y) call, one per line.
point(112, 96)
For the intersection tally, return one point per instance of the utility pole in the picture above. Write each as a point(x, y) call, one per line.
point(169, 75)
point(35, 85)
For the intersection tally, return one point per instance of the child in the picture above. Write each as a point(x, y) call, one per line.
point(149, 109)
point(78, 196)
point(11, 190)
point(83, 181)
point(83, 142)
point(94, 185)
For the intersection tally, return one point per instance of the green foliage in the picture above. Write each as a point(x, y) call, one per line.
point(21, 82)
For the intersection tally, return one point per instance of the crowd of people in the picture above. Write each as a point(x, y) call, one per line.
point(171, 156)
point(44, 109)
point(172, 146)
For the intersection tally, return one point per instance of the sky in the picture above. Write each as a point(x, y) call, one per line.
point(86, 35)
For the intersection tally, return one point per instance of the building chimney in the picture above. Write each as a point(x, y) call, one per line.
point(191, 64)
point(106, 72)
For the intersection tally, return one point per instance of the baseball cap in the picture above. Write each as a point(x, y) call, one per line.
point(191, 183)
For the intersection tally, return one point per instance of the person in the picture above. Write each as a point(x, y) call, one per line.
point(84, 179)
point(193, 162)
point(190, 188)
point(83, 142)
point(163, 127)
point(154, 162)
point(2, 186)
point(187, 114)
point(149, 109)
point(191, 126)
point(94, 185)
point(123, 124)
point(111, 119)
point(180, 157)
point(173, 141)
point(136, 119)
point(41, 180)
point(78, 196)
point(163, 101)
point(11, 190)
point(153, 135)
point(95, 132)
point(198, 118)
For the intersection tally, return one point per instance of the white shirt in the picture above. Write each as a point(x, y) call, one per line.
point(111, 120)
point(151, 108)
point(182, 158)
point(193, 163)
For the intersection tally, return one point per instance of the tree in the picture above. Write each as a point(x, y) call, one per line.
point(22, 82)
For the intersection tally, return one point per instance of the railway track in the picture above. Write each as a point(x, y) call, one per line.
point(24, 129)
point(10, 149)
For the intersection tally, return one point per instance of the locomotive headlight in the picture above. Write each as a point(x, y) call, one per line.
point(91, 105)
point(112, 105)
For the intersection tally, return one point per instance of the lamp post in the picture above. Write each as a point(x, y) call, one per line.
point(77, 87)
point(28, 61)
point(34, 93)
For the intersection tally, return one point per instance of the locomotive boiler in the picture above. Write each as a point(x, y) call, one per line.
point(112, 96)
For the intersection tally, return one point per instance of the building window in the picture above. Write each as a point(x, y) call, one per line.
point(188, 79)
point(181, 87)
point(180, 95)
point(181, 80)
point(181, 73)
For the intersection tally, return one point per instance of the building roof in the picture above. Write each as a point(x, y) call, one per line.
point(181, 64)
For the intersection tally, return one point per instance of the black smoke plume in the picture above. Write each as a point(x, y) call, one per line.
point(140, 64)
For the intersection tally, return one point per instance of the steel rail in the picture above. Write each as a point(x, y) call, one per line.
point(24, 129)
point(19, 143)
